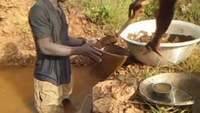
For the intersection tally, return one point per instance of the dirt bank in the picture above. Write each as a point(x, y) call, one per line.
point(16, 42)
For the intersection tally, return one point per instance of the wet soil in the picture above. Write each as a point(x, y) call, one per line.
point(166, 38)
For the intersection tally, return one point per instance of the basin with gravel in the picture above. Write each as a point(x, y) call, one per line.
point(172, 53)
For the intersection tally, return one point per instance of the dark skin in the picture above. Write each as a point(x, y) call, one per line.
point(163, 20)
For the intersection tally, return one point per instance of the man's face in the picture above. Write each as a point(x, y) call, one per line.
point(62, 0)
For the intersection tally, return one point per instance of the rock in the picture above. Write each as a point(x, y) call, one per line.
point(113, 88)
point(110, 105)
point(112, 96)
point(104, 105)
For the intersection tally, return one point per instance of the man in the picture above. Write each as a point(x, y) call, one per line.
point(52, 82)
point(163, 20)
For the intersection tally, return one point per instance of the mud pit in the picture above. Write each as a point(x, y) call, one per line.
point(16, 92)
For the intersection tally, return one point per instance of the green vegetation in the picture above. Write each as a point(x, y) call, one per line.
point(113, 14)
point(106, 12)
point(186, 10)
point(189, 10)
point(164, 109)
point(150, 9)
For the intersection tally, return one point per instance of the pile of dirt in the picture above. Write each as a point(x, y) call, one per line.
point(16, 43)
point(112, 96)
point(143, 36)
point(80, 25)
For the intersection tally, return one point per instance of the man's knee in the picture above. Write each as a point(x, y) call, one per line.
point(50, 109)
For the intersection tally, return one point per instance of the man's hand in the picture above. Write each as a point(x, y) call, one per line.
point(133, 8)
point(154, 46)
point(91, 52)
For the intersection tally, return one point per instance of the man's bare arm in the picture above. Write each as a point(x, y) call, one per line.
point(163, 20)
point(47, 47)
point(164, 17)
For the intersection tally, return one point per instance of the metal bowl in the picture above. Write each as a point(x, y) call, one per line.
point(113, 57)
point(172, 53)
point(184, 88)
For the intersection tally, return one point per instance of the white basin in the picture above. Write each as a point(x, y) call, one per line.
point(172, 53)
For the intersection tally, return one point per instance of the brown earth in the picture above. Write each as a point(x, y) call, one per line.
point(16, 43)
point(17, 46)
point(112, 96)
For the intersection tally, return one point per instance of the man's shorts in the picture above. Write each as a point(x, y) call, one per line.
point(48, 97)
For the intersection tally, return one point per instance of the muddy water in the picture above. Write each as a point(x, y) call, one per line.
point(16, 88)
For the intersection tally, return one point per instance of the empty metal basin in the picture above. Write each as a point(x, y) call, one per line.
point(184, 91)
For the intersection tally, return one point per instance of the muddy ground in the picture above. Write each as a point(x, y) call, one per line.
point(17, 47)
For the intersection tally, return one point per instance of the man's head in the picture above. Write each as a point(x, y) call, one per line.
point(62, 0)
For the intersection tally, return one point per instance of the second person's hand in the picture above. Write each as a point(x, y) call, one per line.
point(154, 46)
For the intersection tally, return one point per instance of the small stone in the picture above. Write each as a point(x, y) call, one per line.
point(112, 96)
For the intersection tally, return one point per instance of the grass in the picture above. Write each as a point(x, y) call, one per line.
point(186, 10)
point(106, 13)
point(165, 109)
point(112, 15)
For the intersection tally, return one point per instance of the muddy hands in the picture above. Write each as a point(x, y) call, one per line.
point(91, 52)
point(154, 46)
